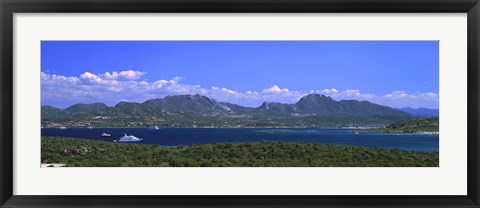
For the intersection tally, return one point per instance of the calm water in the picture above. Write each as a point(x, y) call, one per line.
point(186, 136)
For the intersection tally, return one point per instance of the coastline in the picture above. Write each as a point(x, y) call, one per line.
point(389, 131)
point(275, 129)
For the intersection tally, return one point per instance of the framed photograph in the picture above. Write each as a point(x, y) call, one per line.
point(266, 103)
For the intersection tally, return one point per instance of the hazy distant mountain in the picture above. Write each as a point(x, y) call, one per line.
point(187, 110)
point(420, 111)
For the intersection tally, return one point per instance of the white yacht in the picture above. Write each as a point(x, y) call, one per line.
point(154, 128)
point(106, 135)
point(129, 138)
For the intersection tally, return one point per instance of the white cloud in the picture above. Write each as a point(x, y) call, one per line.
point(112, 87)
point(48, 79)
point(396, 94)
point(275, 89)
point(123, 75)
point(430, 94)
point(329, 91)
point(89, 78)
point(224, 90)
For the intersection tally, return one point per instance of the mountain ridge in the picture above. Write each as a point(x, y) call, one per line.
point(198, 110)
point(309, 104)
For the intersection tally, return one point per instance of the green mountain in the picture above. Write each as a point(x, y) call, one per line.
point(197, 110)
point(86, 108)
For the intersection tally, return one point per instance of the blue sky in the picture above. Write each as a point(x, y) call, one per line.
point(393, 73)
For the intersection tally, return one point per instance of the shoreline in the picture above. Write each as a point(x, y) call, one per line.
point(385, 131)
point(273, 129)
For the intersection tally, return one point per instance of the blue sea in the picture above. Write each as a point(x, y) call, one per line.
point(187, 136)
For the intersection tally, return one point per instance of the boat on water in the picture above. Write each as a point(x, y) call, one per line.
point(129, 138)
point(62, 127)
point(356, 132)
point(153, 128)
point(106, 135)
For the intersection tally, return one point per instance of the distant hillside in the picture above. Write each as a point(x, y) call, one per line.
point(188, 103)
point(198, 110)
point(52, 113)
point(324, 105)
point(420, 111)
point(86, 108)
point(414, 124)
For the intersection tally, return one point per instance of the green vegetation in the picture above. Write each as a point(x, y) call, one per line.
point(413, 125)
point(92, 153)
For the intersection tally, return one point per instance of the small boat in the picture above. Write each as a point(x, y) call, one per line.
point(106, 135)
point(356, 132)
point(62, 127)
point(154, 128)
point(129, 138)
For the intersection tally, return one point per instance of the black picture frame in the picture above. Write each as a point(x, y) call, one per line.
point(9, 7)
